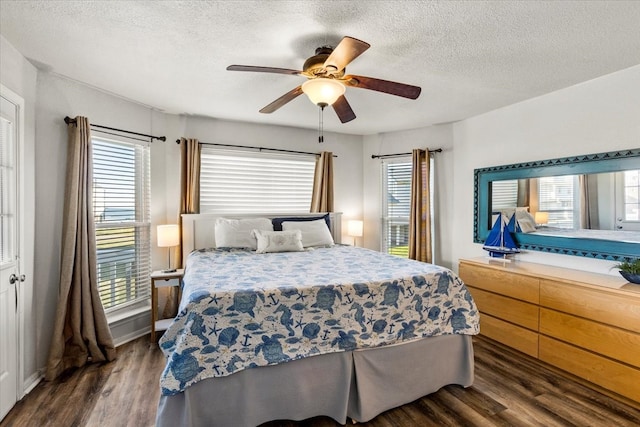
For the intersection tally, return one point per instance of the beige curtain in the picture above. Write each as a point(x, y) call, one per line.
point(585, 219)
point(420, 214)
point(189, 184)
point(189, 203)
point(322, 197)
point(589, 218)
point(523, 192)
point(81, 333)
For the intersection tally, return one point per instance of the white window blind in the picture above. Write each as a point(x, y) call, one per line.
point(396, 206)
point(504, 194)
point(121, 198)
point(247, 182)
point(556, 195)
point(396, 199)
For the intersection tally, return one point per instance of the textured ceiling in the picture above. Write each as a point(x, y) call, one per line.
point(468, 57)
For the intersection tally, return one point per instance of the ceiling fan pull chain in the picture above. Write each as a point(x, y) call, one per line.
point(321, 124)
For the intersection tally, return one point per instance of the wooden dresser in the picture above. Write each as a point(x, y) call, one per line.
point(584, 323)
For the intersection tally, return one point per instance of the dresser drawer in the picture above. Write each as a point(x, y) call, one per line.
point(509, 334)
point(605, 307)
point(517, 286)
point(607, 340)
point(509, 309)
point(614, 376)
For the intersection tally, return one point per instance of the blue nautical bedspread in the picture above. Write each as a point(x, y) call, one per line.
point(242, 310)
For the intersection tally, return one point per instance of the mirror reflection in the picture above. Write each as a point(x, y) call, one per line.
point(596, 206)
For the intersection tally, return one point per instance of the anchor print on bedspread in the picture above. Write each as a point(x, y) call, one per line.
point(228, 323)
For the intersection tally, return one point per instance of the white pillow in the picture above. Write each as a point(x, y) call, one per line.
point(314, 233)
point(525, 221)
point(236, 233)
point(278, 241)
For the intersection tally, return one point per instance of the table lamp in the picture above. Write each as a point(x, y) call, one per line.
point(168, 236)
point(541, 218)
point(354, 229)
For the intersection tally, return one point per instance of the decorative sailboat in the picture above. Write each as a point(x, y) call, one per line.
point(499, 242)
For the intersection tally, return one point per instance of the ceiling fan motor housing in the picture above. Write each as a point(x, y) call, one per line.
point(314, 66)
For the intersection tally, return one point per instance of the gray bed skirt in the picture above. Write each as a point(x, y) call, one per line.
point(359, 385)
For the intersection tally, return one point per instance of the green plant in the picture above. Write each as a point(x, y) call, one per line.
point(629, 266)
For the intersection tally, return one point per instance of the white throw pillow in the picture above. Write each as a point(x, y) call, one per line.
point(236, 233)
point(314, 233)
point(525, 221)
point(278, 241)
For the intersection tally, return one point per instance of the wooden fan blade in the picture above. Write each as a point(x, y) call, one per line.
point(262, 69)
point(289, 96)
point(386, 86)
point(347, 50)
point(343, 110)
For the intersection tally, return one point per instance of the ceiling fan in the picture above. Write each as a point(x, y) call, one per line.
point(327, 81)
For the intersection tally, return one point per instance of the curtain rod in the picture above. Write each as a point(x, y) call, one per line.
point(384, 156)
point(68, 120)
point(258, 148)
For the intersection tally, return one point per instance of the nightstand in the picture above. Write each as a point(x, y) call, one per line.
point(160, 279)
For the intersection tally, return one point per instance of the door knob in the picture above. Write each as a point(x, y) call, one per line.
point(13, 278)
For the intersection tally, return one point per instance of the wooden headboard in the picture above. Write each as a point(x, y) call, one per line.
point(198, 230)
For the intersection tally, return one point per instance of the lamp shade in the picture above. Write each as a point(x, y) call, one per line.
point(542, 217)
point(354, 228)
point(323, 91)
point(168, 235)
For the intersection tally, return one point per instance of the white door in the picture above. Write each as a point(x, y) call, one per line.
point(9, 250)
point(628, 200)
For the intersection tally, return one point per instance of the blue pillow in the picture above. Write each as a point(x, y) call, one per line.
point(277, 222)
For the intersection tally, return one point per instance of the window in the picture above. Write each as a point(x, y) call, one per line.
point(396, 206)
point(241, 182)
point(9, 189)
point(557, 195)
point(504, 194)
point(121, 199)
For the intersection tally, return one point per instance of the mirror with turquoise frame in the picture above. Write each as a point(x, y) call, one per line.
point(615, 244)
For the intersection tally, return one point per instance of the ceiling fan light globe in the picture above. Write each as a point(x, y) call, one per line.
point(323, 91)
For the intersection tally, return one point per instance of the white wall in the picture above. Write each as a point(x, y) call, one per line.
point(347, 165)
point(432, 137)
point(348, 148)
point(19, 76)
point(596, 116)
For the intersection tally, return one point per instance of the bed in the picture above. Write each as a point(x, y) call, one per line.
point(329, 330)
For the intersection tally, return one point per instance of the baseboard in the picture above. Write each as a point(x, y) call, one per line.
point(129, 328)
point(30, 383)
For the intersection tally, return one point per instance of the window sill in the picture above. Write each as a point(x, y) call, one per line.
point(128, 312)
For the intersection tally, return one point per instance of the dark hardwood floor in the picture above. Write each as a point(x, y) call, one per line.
point(510, 389)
